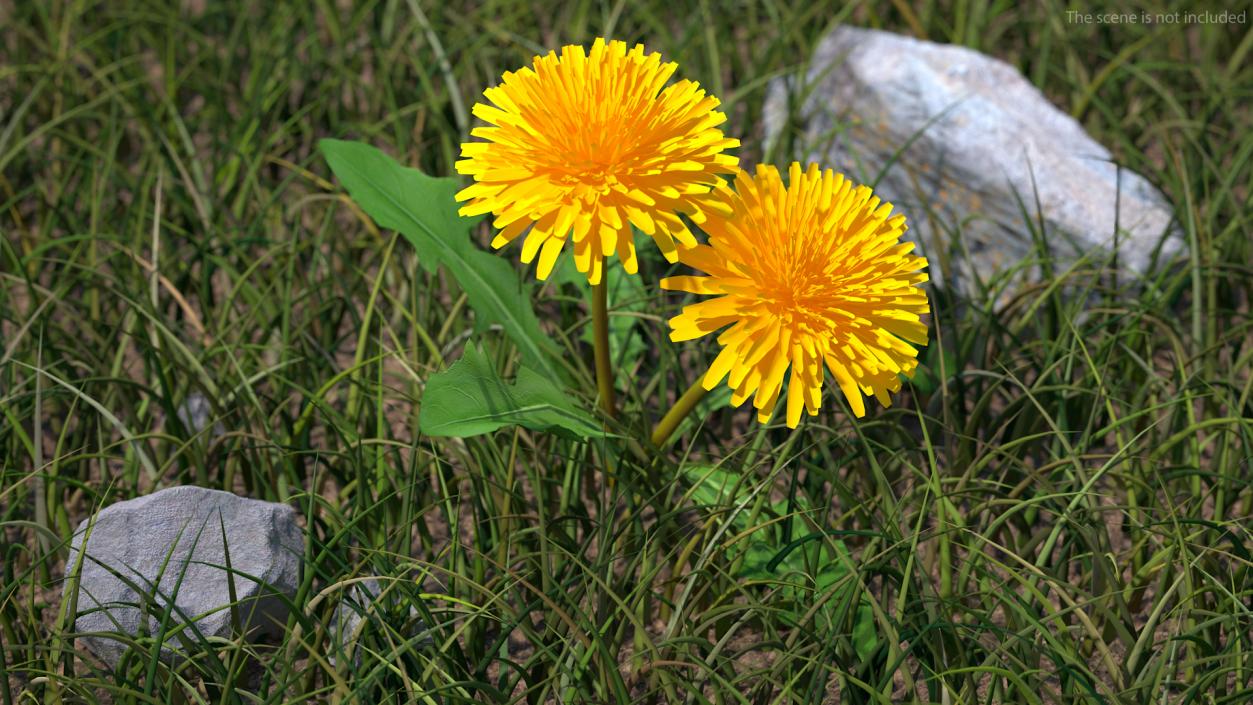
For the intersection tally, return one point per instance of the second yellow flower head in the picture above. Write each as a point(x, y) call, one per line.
point(805, 275)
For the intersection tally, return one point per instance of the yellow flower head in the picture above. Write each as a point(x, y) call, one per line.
point(586, 144)
point(808, 274)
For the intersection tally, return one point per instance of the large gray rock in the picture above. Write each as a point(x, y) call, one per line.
point(981, 144)
point(167, 548)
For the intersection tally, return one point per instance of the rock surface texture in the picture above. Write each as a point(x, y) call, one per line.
point(980, 146)
point(359, 604)
point(167, 549)
point(350, 613)
point(195, 413)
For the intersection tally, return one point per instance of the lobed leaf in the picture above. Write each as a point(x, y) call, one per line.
point(422, 208)
point(470, 399)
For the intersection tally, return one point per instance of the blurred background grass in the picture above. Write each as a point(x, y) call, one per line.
point(1057, 510)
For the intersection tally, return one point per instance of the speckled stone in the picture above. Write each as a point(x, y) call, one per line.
point(167, 548)
point(980, 145)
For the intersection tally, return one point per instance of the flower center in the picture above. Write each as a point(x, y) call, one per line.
point(796, 295)
point(586, 180)
point(591, 153)
point(594, 173)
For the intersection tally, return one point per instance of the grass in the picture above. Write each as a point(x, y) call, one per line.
point(1057, 511)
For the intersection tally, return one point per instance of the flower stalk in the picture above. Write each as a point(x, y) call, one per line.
point(600, 332)
point(666, 427)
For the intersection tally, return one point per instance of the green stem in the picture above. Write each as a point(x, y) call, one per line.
point(678, 412)
point(600, 325)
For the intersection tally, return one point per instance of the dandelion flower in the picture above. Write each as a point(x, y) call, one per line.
point(586, 144)
point(805, 275)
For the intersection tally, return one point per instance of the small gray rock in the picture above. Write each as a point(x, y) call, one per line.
point(352, 610)
point(984, 143)
point(358, 605)
point(168, 548)
point(195, 413)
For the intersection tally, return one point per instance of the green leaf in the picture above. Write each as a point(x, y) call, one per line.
point(810, 564)
point(927, 379)
point(470, 398)
point(865, 630)
point(757, 559)
point(424, 210)
point(713, 486)
point(865, 636)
